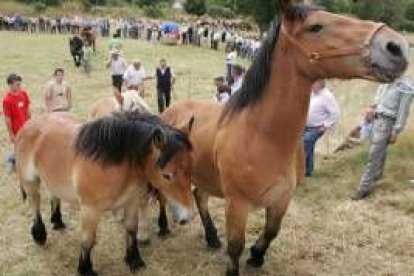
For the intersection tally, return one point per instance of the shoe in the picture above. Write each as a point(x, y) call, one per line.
point(360, 195)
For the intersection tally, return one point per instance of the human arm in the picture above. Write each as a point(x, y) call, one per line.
point(48, 96)
point(403, 111)
point(7, 120)
point(332, 108)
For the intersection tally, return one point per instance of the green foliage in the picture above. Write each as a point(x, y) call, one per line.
point(263, 11)
point(220, 12)
point(341, 6)
point(154, 11)
point(409, 11)
point(407, 25)
point(388, 11)
point(40, 6)
point(197, 7)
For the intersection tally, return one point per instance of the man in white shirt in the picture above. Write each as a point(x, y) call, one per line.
point(323, 114)
point(237, 75)
point(134, 77)
point(118, 67)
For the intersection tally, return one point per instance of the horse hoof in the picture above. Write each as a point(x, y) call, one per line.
point(144, 243)
point(214, 243)
point(39, 233)
point(59, 226)
point(164, 233)
point(255, 262)
point(135, 264)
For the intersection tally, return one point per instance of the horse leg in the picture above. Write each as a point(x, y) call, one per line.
point(142, 215)
point(132, 257)
point(201, 199)
point(236, 219)
point(162, 219)
point(274, 218)
point(56, 217)
point(31, 188)
point(89, 222)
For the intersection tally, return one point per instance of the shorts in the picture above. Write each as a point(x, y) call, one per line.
point(117, 81)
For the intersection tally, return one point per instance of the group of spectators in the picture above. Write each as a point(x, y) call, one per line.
point(217, 35)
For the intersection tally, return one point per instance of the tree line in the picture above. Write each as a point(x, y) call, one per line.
point(396, 13)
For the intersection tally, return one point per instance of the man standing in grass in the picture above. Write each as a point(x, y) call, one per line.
point(392, 106)
point(16, 109)
point(165, 81)
point(58, 95)
point(118, 66)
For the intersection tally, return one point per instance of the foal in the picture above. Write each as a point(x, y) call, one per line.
point(246, 152)
point(103, 165)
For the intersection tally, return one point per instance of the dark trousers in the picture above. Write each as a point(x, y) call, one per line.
point(310, 137)
point(164, 99)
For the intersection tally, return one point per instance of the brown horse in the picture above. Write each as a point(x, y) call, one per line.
point(89, 36)
point(103, 165)
point(246, 151)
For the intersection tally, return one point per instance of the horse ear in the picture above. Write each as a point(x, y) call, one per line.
point(285, 6)
point(187, 127)
point(159, 138)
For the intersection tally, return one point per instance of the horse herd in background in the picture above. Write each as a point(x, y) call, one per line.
point(247, 152)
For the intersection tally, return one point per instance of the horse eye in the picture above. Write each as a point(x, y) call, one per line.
point(315, 28)
point(167, 176)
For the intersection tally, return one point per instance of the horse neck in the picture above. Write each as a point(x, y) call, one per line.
point(282, 111)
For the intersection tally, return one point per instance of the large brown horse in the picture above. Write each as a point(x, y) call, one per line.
point(246, 151)
point(103, 165)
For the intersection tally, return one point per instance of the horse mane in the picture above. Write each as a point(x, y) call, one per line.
point(128, 136)
point(257, 76)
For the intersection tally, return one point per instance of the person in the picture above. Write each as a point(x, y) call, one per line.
point(323, 114)
point(58, 95)
point(118, 67)
point(237, 74)
point(165, 81)
point(359, 134)
point(134, 77)
point(223, 91)
point(392, 106)
point(16, 110)
point(115, 43)
point(87, 57)
point(231, 55)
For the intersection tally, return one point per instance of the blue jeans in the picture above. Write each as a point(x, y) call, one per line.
point(310, 137)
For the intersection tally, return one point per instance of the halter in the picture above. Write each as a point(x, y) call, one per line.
point(316, 56)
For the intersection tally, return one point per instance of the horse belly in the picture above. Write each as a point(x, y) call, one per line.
point(64, 191)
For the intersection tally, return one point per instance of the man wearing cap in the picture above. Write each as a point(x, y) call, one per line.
point(392, 106)
point(118, 66)
point(16, 109)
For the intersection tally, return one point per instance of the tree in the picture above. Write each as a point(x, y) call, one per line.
point(262, 11)
point(197, 7)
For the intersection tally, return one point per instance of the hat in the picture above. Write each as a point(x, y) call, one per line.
point(12, 78)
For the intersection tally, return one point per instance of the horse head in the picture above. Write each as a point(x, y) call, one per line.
point(332, 45)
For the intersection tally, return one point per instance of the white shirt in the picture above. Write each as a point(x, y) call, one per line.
point(236, 85)
point(221, 97)
point(323, 109)
point(133, 76)
point(118, 66)
point(231, 57)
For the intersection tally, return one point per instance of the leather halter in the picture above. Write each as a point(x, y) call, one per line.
point(315, 56)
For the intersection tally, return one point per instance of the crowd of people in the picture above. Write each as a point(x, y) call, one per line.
point(212, 34)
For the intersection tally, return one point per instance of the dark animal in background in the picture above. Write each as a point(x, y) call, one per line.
point(76, 49)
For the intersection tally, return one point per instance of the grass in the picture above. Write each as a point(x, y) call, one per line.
point(324, 233)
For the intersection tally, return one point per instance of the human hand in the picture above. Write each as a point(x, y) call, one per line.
point(392, 139)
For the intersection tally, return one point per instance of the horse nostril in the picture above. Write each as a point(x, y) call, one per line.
point(183, 222)
point(394, 49)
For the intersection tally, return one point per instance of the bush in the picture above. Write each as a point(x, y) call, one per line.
point(154, 11)
point(409, 11)
point(197, 7)
point(220, 11)
point(407, 25)
point(40, 7)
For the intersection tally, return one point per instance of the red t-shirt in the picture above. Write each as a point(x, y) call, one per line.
point(16, 107)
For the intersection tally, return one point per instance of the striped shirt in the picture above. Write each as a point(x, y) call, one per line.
point(394, 100)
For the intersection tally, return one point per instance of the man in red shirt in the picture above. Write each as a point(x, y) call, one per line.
point(16, 110)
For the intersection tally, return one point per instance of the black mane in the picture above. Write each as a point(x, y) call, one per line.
point(258, 75)
point(127, 136)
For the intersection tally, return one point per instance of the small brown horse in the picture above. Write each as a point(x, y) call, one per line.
point(246, 151)
point(103, 165)
point(89, 36)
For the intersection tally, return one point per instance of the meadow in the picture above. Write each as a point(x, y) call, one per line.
point(324, 232)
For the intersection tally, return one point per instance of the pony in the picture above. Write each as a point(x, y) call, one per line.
point(89, 36)
point(246, 151)
point(103, 165)
point(76, 49)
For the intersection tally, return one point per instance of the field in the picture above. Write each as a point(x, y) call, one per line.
point(324, 233)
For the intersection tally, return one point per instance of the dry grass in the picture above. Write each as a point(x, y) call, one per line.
point(324, 233)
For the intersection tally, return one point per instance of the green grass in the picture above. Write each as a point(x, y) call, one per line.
point(324, 233)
